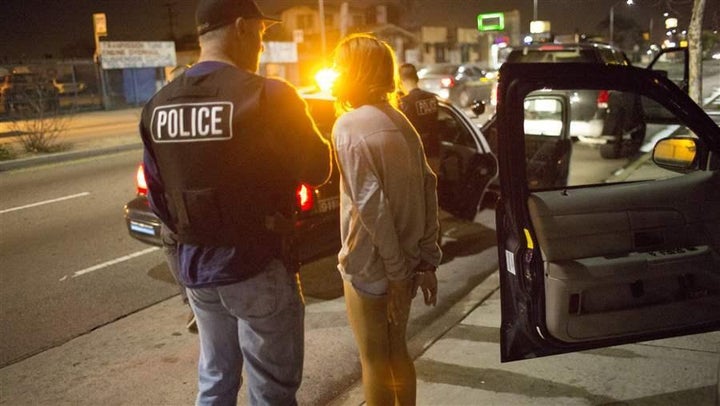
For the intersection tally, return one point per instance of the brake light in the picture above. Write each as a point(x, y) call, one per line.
point(140, 182)
point(551, 48)
point(304, 197)
point(602, 99)
point(447, 82)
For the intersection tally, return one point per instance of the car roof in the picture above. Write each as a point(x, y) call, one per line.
point(567, 45)
point(587, 52)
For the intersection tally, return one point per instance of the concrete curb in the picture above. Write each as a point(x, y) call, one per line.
point(424, 339)
point(64, 156)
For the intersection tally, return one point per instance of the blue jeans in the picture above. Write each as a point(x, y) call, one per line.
point(259, 323)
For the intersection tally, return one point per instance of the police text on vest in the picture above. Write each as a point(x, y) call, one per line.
point(192, 122)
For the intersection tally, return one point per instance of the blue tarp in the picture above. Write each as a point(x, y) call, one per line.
point(139, 85)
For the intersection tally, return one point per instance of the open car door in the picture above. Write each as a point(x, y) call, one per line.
point(467, 166)
point(625, 250)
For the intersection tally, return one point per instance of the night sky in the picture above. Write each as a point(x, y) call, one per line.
point(34, 28)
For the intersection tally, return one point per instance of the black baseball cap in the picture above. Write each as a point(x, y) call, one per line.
point(212, 14)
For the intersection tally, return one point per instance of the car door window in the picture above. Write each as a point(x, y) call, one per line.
point(457, 147)
point(466, 165)
point(673, 64)
point(452, 130)
point(547, 146)
point(612, 136)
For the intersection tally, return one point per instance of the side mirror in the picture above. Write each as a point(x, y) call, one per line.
point(676, 154)
point(478, 107)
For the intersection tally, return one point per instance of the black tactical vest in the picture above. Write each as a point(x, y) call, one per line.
point(218, 161)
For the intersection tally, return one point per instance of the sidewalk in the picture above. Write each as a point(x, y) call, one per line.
point(81, 136)
point(462, 367)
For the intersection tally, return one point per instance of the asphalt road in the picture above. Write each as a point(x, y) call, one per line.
point(62, 228)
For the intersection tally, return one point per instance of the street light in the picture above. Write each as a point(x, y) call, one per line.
point(612, 17)
point(321, 12)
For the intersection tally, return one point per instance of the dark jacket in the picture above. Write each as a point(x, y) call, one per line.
point(224, 149)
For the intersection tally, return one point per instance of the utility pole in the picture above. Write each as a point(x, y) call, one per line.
point(695, 50)
point(171, 18)
point(321, 11)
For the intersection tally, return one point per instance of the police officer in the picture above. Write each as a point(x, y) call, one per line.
point(421, 108)
point(224, 150)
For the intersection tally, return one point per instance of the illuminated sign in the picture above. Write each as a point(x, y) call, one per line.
point(537, 27)
point(100, 24)
point(491, 22)
point(137, 54)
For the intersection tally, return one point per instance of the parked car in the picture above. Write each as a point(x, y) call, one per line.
point(611, 119)
point(69, 88)
point(459, 83)
point(467, 167)
point(23, 90)
point(591, 264)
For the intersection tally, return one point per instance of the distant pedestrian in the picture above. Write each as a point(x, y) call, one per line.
point(224, 151)
point(421, 108)
point(388, 217)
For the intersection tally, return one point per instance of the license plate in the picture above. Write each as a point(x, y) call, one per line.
point(326, 205)
point(142, 228)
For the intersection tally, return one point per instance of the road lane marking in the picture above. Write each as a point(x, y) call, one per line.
point(110, 263)
point(59, 199)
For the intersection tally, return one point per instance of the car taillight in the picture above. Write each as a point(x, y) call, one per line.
point(304, 197)
point(602, 99)
point(140, 182)
point(447, 82)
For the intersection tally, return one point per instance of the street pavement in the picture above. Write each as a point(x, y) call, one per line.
point(147, 358)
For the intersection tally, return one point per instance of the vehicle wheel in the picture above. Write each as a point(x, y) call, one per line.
point(632, 146)
point(611, 150)
point(464, 98)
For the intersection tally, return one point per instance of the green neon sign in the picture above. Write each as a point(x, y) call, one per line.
point(491, 22)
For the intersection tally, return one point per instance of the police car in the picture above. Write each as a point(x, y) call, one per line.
point(467, 168)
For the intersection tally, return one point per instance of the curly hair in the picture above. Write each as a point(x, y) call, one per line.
point(367, 72)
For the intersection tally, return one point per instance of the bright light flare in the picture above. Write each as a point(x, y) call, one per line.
point(325, 78)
